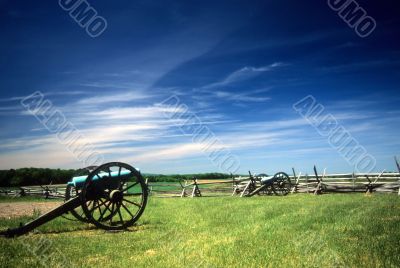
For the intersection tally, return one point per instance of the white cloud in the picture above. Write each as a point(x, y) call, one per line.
point(142, 133)
point(244, 97)
point(240, 75)
point(149, 112)
point(53, 155)
point(47, 94)
point(25, 143)
point(114, 98)
point(248, 96)
point(243, 74)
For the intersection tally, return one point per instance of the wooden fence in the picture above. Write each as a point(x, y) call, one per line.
point(384, 182)
point(317, 183)
point(47, 191)
point(350, 182)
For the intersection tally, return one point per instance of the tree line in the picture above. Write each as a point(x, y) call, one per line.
point(180, 177)
point(34, 176)
point(45, 176)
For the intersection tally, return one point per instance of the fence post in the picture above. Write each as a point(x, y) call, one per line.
point(398, 169)
point(369, 186)
point(307, 183)
point(196, 190)
point(294, 189)
point(319, 181)
point(183, 194)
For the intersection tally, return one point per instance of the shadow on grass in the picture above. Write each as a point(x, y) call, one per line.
point(77, 230)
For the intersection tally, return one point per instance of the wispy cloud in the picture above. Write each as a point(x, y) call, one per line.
point(248, 96)
point(131, 126)
point(114, 98)
point(214, 90)
point(239, 97)
point(229, 96)
point(243, 74)
point(47, 94)
point(11, 99)
point(148, 112)
point(9, 110)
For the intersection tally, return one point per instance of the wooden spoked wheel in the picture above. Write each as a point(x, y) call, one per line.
point(114, 196)
point(281, 184)
point(71, 191)
point(78, 213)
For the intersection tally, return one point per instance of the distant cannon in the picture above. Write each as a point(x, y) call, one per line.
point(112, 197)
point(279, 184)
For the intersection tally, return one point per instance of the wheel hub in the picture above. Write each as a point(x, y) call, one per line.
point(116, 196)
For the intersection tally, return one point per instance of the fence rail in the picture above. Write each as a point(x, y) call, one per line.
point(384, 182)
point(351, 182)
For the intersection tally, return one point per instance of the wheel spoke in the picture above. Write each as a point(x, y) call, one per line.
point(106, 207)
point(130, 186)
point(109, 172)
point(131, 202)
point(112, 209)
point(119, 171)
point(105, 201)
point(98, 207)
point(120, 216)
point(93, 208)
point(82, 214)
point(127, 209)
point(105, 210)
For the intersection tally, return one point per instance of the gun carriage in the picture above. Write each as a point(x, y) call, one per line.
point(278, 184)
point(112, 197)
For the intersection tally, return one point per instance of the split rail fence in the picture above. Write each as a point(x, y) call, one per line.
point(317, 183)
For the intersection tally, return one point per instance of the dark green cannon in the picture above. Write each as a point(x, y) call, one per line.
point(112, 197)
point(279, 184)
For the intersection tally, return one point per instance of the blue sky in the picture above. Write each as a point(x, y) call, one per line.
point(238, 65)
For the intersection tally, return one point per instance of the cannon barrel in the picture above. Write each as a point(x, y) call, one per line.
point(79, 181)
point(268, 180)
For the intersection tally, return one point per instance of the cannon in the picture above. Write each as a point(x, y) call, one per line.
point(278, 184)
point(112, 197)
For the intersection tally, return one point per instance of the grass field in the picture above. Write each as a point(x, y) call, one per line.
point(298, 231)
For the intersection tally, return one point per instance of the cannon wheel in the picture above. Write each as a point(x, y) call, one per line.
point(266, 190)
point(78, 213)
point(281, 184)
point(116, 206)
point(71, 192)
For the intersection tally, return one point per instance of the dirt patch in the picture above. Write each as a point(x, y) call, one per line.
point(18, 209)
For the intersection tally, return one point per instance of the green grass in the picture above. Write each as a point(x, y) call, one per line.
point(175, 187)
point(301, 230)
point(165, 186)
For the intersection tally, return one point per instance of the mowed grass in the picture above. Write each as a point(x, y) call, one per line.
point(336, 230)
